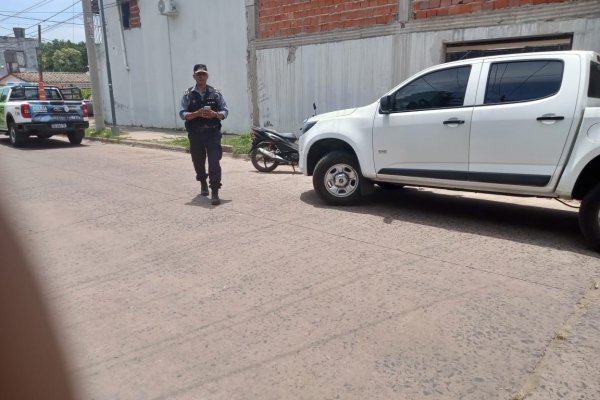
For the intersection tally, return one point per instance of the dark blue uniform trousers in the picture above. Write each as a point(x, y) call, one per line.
point(206, 143)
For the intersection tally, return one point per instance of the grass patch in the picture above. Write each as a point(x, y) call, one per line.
point(104, 133)
point(240, 144)
point(180, 141)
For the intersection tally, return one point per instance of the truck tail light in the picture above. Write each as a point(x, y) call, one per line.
point(84, 107)
point(25, 110)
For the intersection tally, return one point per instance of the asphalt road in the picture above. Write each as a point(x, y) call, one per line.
point(418, 294)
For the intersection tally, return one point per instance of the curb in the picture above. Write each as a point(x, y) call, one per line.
point(135, 143)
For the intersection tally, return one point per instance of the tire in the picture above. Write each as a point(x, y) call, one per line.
point(589, 217)
point(76, 137)
point(261, 162)
point(17, 139)
point(337, 179)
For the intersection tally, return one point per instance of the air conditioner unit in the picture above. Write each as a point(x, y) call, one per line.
point(167, 7)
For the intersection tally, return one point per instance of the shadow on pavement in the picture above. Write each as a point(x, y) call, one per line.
point(204, 201)
point(41, 144)
point(540, 226)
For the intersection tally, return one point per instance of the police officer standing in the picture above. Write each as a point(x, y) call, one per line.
point(203, 108)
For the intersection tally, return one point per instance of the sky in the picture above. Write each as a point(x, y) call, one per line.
point(60, 19)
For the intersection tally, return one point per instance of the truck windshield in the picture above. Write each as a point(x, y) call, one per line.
point(594, 87)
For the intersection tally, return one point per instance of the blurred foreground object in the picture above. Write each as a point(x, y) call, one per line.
point(32, 366)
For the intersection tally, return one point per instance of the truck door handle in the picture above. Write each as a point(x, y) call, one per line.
point(551, 118)
point(454, 121)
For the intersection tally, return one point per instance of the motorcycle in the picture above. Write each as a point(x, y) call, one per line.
point(271, 149)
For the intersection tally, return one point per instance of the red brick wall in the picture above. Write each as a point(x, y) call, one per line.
point(441, 8)
point(134, 14)
point(279, 18)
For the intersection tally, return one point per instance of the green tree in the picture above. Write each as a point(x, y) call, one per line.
point(64, 61)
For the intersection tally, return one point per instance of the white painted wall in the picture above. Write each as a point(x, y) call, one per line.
point(152, 66)
point(356, 72)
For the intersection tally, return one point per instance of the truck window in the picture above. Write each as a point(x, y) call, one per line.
point(32, 93)
point(17, 94)
point(594, 87)
point(3, 95)
point(52, 94)
point(523, 81)
point(71, 93)
point(439, 89)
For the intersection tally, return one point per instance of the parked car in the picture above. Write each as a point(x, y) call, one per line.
point(523, 124)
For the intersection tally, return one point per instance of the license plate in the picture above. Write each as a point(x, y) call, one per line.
point(58, 126)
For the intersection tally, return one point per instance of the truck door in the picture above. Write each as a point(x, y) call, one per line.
point(426, 134)
point(524, 115)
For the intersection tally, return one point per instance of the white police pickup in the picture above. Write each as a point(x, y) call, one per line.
point(23, 114)
point(522, 124)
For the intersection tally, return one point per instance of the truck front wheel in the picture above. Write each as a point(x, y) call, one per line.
point(589, 217)
point(337, 179)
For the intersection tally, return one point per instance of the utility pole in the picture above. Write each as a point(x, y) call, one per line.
point(114, 128)
point(41, 90)
point(90, 45)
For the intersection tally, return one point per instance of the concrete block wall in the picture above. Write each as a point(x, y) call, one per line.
point(278, 18)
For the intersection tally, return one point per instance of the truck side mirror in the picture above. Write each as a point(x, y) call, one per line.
point(385, 104)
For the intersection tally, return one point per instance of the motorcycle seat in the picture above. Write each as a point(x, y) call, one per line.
point(287, 135)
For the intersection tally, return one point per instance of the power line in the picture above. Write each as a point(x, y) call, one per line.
point(33, 19)
point(41, 3)
point(60, 12)
point(57, 24)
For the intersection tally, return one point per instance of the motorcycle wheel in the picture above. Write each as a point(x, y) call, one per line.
point(262, 162)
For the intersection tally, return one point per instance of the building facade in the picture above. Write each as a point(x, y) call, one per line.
point(274, 59)
point(18, 54)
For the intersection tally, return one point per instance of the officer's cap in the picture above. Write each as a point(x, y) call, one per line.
point(200, 68)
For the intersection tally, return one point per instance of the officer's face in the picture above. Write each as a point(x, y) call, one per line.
point(201, 78)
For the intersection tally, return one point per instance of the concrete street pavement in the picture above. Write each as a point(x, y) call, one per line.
point(418, 294)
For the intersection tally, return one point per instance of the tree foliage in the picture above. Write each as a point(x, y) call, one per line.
point(64, 56)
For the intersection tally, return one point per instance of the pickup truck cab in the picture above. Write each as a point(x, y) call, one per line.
point(23, 114)
point(522, 124)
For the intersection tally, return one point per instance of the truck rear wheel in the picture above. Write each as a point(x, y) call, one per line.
point(589, 217)
point(337, 179)
point(76, 137)
point(17, 139)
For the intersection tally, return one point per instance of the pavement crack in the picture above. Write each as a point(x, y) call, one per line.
point(561, 335)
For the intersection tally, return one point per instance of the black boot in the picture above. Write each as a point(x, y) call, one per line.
point(214, 199)
point(203, 188)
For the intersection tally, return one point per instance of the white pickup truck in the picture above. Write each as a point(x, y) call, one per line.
point(24, 114)
point(522, 124)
